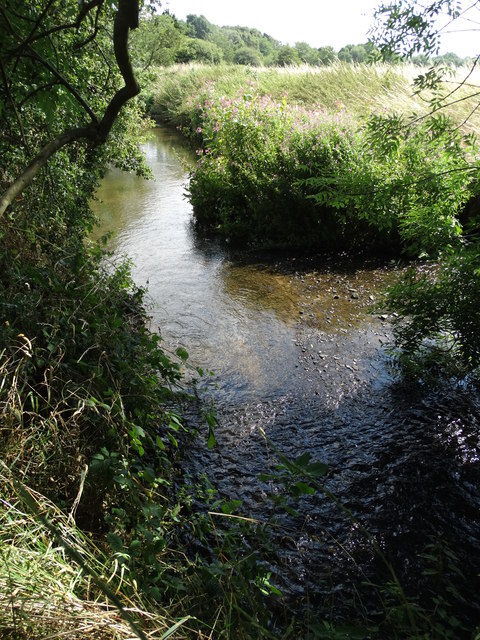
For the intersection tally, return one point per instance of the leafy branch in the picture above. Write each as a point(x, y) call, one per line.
point(97, 131)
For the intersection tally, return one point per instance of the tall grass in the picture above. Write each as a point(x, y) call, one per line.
point(357, 89)
point(44, 593)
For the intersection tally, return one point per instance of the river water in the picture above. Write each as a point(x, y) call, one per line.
point(298, 357)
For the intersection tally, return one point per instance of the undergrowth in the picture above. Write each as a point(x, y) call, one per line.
point(312, 169)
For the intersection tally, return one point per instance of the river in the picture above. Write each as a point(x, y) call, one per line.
point(298, 356)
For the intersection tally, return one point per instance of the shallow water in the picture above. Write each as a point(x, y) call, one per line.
point(299, 358)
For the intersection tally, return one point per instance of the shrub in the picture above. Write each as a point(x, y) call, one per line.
point(247, 56)
point(274, 174)
point(439, 316)
point(198, 51)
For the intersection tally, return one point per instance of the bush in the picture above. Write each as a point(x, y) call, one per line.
point(271, 174)
point(438, 316)
point(198, 51)
point(247, 56)
point(247, 184)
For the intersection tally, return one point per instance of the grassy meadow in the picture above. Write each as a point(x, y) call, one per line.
point(359, 89)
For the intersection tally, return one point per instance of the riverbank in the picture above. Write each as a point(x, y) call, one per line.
point(283, 163)
point(299, 357)
point(107, 496)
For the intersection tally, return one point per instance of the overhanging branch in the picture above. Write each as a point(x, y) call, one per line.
point(126, 18)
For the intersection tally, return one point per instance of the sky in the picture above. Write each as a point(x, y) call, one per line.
point(321, 23)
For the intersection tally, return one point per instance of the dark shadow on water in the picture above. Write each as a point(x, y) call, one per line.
point(407, 464)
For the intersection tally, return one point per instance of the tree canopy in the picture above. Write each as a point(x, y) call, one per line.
point(163, 40)
point(65, 77)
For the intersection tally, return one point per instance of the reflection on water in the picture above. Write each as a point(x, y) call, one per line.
point(234, 318)
point(258, 288)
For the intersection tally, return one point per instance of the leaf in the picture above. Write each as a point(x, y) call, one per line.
point(175, 627)
point(317, 469)
point(303, 460)
point(303, 488)
point(115, 541)
point(149, 474)
point(172, 440)
point(211, 438)
point(274, 590)
point(138, 431)
point(182, 353)
point(175, 422)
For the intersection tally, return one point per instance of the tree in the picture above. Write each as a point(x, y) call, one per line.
point(307, 54)
point(248, 57)
point(287, 56)
point(438, 325)
point(450, 59)
point(198, 27)
point(156, 41)
point(218, 37)
point(410, 27)
point(357, 53)
point(327, 55)
point(192, 50)
point(57, 68)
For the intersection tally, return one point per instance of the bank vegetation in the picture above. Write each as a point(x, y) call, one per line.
point(101, 534)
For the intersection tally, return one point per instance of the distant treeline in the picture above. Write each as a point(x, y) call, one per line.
point(163, 40)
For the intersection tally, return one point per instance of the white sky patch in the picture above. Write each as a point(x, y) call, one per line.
point(321, 23)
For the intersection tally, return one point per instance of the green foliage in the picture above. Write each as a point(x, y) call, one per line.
point(438, 316)
point(327, 55)
point(163, 39)
point(287, 56)
point(198, 27)
point(247, 56)
point(43, 591)
point(309, 55)
point(274, 174)
point(156, 41)
point(412, 181)
point(357, 53)
point(435, 333)
point(410, 28)
point(246, 185)
point(234, 40)
point(295, 477)
point(192, 50)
